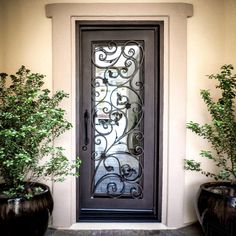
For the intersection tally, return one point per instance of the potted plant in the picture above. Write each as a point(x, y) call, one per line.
point(30, 120)
point(216, 201)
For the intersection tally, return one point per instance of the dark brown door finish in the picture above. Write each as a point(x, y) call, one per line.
point(118, 125)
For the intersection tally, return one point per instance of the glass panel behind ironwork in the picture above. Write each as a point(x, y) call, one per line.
point(117, 119)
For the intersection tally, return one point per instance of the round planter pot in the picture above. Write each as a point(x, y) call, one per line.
point(216, 208)
point(28, 217)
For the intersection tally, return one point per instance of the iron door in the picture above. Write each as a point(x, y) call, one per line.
point(118, 87)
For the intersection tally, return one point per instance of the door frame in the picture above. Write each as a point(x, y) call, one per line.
point(175, 17)
point(158, 119)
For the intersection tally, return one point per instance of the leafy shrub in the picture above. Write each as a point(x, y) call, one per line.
point(221, 132)
point(30, 120)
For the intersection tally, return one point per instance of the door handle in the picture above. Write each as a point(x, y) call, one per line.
point(86, 139)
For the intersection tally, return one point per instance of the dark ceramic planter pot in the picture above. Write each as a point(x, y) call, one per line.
point(28, 217)
point(216, 208)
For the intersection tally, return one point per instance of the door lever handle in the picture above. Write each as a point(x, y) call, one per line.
point(86, 139)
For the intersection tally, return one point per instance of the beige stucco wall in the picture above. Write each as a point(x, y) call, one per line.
point(230, 32)
point(26, 36)
point(1, 37)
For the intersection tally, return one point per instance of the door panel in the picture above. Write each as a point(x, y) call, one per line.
point(117, 117)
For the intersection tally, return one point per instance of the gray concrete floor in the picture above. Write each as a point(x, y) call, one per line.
point(192, 230)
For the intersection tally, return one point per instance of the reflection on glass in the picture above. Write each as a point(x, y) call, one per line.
point(117, 112)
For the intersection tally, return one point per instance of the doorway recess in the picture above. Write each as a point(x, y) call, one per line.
point(174, 16)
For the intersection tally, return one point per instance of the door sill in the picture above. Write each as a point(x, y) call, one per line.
point(120, 226)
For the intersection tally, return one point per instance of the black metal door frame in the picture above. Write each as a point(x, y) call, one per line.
point(95, 214)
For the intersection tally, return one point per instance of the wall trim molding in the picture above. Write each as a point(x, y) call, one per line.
point(174, 16)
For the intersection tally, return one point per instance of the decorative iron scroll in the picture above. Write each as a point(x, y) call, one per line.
point(117, 124)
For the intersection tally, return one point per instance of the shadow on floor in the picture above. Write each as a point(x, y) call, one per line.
point(192, 230)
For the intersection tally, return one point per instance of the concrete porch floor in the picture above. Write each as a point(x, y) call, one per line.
point(191, 230)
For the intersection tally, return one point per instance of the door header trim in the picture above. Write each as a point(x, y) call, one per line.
point(118, 9)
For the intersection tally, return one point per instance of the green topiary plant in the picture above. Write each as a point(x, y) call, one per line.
point(30, 120)
point(221, 133)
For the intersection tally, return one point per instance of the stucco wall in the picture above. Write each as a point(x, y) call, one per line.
point(1, 37)
point(25, 38)
point(230, 32)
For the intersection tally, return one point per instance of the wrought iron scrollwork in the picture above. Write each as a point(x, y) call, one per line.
point(117, 119)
